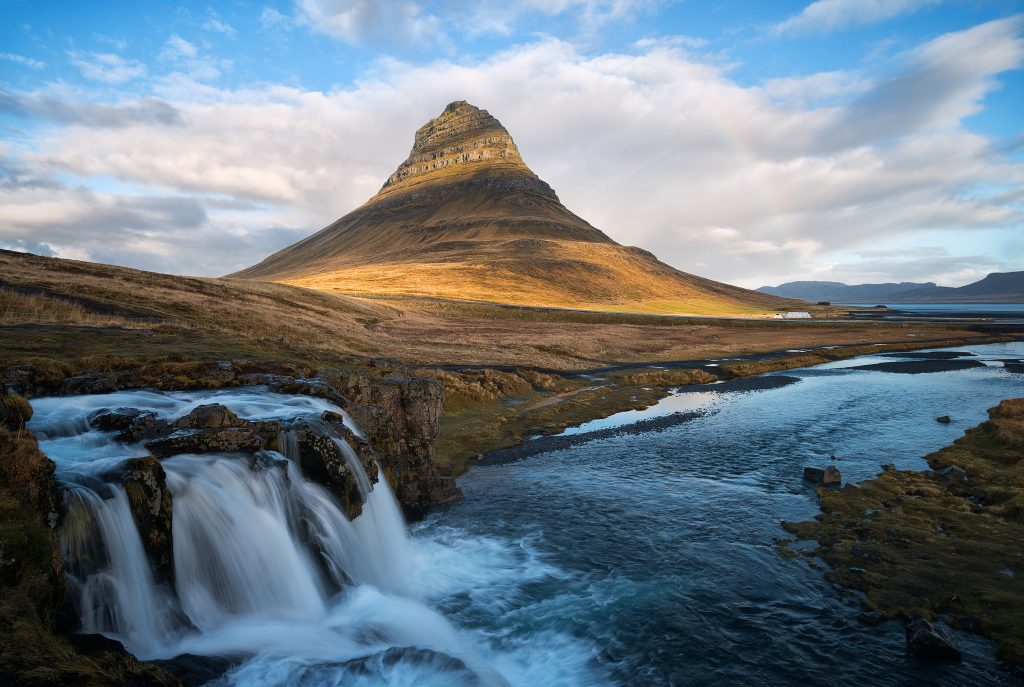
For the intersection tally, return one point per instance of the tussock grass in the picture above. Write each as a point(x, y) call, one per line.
point(919, 547)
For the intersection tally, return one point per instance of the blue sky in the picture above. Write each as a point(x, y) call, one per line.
point(753, 142)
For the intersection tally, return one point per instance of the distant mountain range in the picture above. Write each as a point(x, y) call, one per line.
point(998, 287)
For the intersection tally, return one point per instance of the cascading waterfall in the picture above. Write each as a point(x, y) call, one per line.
point(265, 563)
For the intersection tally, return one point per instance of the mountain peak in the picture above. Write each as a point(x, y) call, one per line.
point(462, 141)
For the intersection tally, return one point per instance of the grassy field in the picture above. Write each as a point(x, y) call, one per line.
point(66, 318)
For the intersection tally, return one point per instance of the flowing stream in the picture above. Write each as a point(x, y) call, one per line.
point(633, 560)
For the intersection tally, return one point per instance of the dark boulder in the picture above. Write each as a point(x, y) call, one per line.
point(930, 642)
point(211, 416)
point(111, 420)
point(145, 425)
point(824, 476)
point(227, 440)
point(944, 419)
point(145, 483)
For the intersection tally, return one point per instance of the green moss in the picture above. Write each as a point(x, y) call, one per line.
point(919, 547)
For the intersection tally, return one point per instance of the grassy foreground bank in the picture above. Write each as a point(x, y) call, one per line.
point(921, 545)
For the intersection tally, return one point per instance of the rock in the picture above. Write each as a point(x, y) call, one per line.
point(225, 440)
point(145, 483)
point(211, 416)
point(18, 379)
point(401, 418)
point(829, 475)
point(145, 425)
point(89, 383)
point(888, 467)
point(930, 642)
point(109, 420)
point(952, 473)
point(944, 419)
point(323, 462)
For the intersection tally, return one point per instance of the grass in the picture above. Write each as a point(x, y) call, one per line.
point(918, 547)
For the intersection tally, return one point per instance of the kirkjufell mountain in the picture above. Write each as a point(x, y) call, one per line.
point(464, 218)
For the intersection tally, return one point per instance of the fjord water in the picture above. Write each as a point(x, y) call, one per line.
point(636, 560)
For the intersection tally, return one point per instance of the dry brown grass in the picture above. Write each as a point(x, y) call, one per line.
point(24, 308)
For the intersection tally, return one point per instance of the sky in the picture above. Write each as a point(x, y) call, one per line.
point(751, 142)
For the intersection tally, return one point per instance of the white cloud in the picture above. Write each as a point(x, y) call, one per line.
point(107, 67)
point(22, 60)
point(186, 58)
point(271, 18)
point(218, 25)
point(422, 24)
point(657, 148)
point(372, 21)
point(825, 16)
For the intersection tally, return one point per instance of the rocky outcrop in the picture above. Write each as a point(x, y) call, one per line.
point(36, 648)
point(319, 449)
point(928, 641)
point(206, 441)
point(401, 418)
point(459, 139)
point(145, 483)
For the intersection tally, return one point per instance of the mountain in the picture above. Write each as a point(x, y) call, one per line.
point(464, 218)
point(998, 287)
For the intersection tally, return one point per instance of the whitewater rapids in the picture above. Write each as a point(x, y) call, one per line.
point(269, 572)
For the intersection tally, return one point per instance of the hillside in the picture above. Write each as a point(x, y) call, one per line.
point(998, 287)
point(464, 218)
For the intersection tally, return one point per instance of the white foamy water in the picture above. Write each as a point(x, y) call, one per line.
point(269, 571)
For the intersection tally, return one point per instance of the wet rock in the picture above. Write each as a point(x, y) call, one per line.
point(225, 440)
point(109, 420)
point(211, 416)
point(824, 476)
point(944, 419)
point(951, 473)
point(145, 425)
point(145, 483)
point(930, 642)
point(323, 461)
point(888, 467)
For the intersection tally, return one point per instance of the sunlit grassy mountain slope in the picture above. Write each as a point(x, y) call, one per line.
point(464, 218)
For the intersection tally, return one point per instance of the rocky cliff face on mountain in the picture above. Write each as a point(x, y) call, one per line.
point(464, 218)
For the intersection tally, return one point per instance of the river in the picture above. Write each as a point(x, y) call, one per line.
point(641, 559)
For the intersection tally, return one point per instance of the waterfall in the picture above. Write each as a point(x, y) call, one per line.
point(264, 560)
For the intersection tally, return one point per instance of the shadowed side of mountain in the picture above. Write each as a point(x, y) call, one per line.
point(464, 218)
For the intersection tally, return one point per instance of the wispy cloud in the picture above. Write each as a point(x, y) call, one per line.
point(106, 67)
point(22, 60)
point(218, 25)
point(826, 16)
